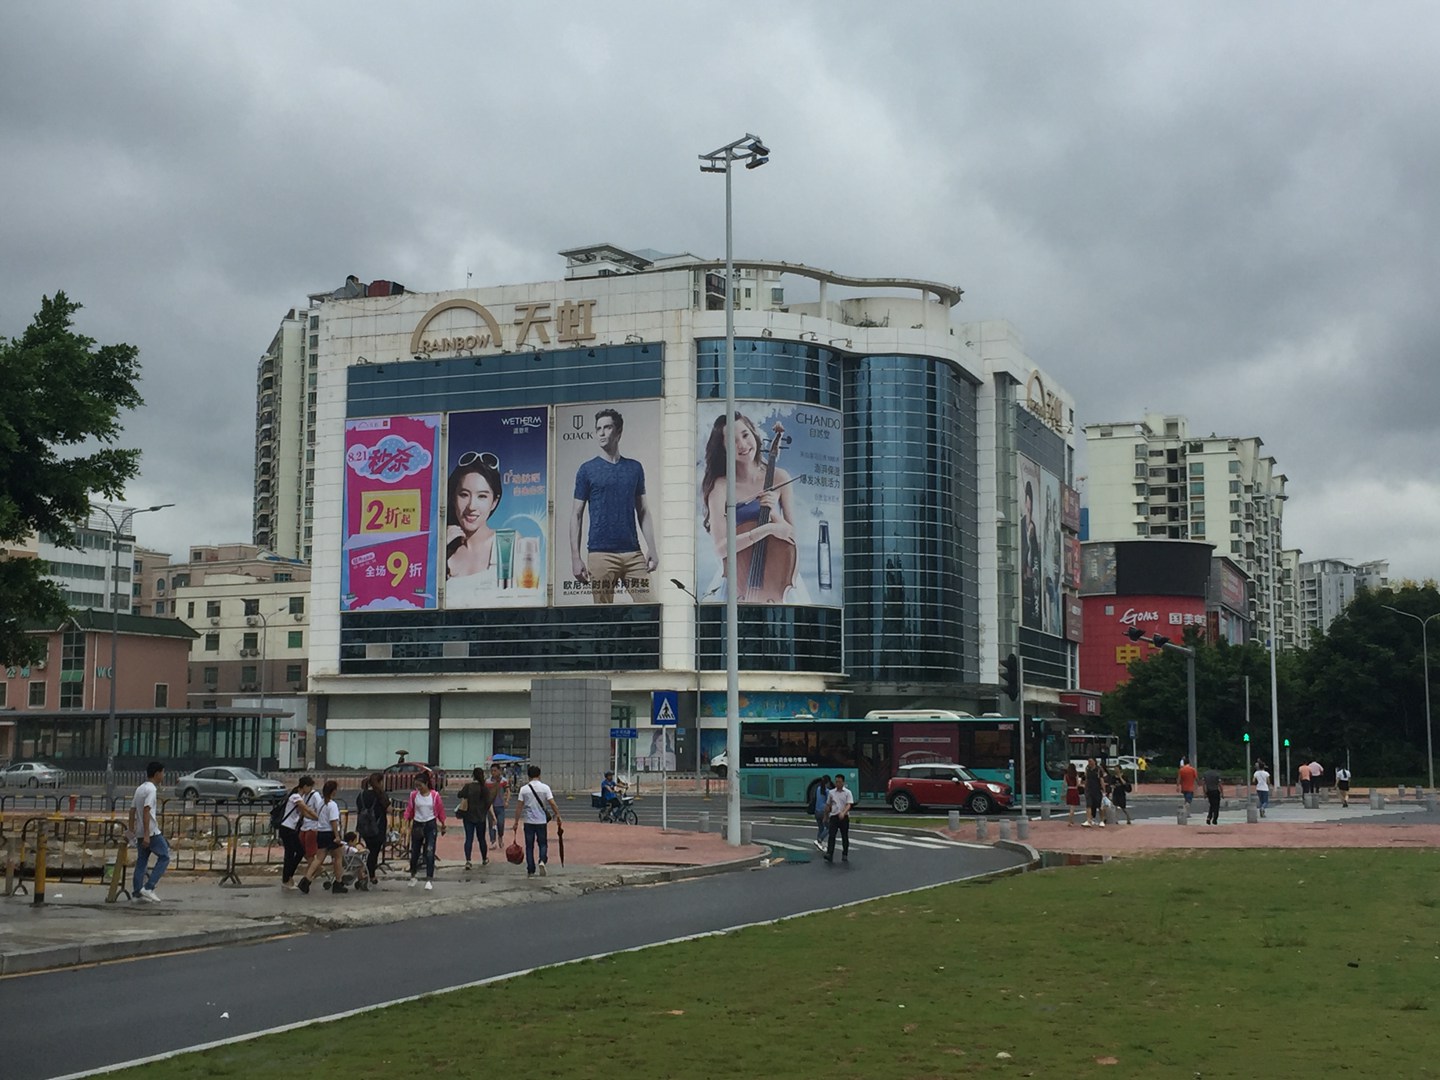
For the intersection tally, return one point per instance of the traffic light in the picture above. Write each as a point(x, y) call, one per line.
point(1247, 736)
point(1135, 634)
point(1287, 744)
point(1010, 676)
point(1160, 641)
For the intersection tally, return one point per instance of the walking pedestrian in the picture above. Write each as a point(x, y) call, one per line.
point(499, 799)
point(372, 822)
point(426, 814)
point(1212, 796)
point(1262, 786)
point(1118, 790)
point(473, 809)
point(1072, 790)
point(149, 840)
point(537, 807)
point(821, 811)
point(1304, 773)
point(1316, 772)
point(297, 809)
point(1094, 792)
point(1342, 784)
point(838, 802)
point(327, 840)
point(1185, 782)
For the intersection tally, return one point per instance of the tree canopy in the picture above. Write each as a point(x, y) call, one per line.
point(1357, 690)
point(59, 421)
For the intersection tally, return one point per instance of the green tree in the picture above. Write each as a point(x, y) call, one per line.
point(61, 391)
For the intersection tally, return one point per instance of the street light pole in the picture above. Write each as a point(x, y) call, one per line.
point(1274, 641)
point(754, 153)
point(1425, 667)
point(696, 599)
point(264, 635)
point(1160, 641)
point(116, 529)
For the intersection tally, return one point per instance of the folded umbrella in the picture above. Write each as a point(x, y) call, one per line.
point(560, 839)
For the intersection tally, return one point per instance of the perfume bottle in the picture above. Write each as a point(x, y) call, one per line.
point(529, 559)
point(822, 557)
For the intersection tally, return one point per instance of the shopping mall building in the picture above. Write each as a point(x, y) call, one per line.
point(515, 512)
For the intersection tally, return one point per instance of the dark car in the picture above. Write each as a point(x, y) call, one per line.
point(401, 776)
point(939, 783)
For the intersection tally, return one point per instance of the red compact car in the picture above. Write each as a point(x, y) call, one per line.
point(939, 783)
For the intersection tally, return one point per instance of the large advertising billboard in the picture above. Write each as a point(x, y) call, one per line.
point(496, 508)
point(1042, 574)
point(390, 517)
point(607, 502)
point(789, 503)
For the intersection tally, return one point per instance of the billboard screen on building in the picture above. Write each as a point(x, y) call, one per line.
point(607, 493)
point(1097, 569)
point(1070, 508)
point(390, 516)
point(1042, 572)
point(496, 509)
point(795, 557)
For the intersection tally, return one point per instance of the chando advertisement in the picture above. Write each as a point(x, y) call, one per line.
point(389, 543)
point(495, 511)
point(1042, 575)
point(607, 499)
point(789, 500)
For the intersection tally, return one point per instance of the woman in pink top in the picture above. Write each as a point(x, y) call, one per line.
point(426, 814)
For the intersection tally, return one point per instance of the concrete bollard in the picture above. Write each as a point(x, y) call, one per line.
point(747, 832)
point(1252, 813)
point(982, 829)
point(1022, 829)
point(1402, 786)
point(954, 821)
point(1430, 802)
point(1045, 811)
point(703, 820)
point(1182, 817)
point(1004, 829)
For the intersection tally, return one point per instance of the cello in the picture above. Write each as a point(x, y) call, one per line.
point(766, 567)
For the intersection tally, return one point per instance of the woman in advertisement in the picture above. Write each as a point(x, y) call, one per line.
point(470, 547)
point(764, 516)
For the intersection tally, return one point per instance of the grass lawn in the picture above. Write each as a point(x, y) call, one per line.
point(1210, 964)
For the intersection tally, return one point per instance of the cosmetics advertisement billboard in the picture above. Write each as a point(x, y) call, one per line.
point(789, 504)
point(495, 509)
point(388, 559)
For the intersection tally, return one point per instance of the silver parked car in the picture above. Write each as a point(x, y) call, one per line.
point(31, 774)
point(229, 782)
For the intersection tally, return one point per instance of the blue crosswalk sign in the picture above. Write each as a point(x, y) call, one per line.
point(665, 707)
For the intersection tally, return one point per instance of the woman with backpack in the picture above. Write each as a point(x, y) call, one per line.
point(296, 810)
point(426, 814)
point(372, 825)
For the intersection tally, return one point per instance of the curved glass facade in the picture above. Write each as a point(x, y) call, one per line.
point(911, 574)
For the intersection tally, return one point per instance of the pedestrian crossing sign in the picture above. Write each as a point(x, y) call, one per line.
point(665, 708)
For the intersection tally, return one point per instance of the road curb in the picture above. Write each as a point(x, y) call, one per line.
point(49, 957)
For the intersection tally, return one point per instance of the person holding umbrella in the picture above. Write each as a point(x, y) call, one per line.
point(537, 808)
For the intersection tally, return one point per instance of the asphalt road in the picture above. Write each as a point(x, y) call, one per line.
point(126, 1011)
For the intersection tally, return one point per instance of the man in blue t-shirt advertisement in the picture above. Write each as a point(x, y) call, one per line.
point(612, 488)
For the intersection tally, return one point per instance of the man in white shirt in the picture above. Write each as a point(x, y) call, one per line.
point(1342, 784)
point(145, 824)
point(1262, 786)
point(837, 808)
point(537, 807)
point(1316, 771)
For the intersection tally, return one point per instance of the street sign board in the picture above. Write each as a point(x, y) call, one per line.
point(665, 707)
point(624, 733)
point(1134, 730)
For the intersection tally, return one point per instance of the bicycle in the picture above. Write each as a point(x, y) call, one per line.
point(618, 811)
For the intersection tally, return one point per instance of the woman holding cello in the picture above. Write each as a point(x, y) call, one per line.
point(764, 533)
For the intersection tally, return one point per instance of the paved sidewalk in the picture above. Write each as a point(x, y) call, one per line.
point(76, 926)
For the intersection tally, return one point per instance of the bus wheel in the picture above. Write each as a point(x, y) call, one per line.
point(979, 804)
point(902, 803)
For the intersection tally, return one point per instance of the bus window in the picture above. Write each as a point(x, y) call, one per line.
point(1056, 754)
point(992, 749)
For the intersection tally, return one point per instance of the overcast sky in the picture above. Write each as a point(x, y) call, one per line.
point(1225, 210)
